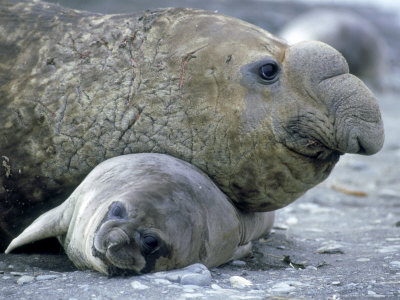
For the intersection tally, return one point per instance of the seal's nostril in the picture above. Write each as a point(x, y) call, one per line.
point(361, 149)
point(116, 238)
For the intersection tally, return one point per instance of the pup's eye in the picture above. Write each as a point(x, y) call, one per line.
point(150, 243)
point(117, 210)
point(269, 71)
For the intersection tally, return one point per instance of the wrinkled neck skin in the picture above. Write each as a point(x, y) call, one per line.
point(78, 241)
point(254, 225)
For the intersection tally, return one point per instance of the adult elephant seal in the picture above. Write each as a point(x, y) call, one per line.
point(357, 39)
point(266, 121)
point(142, 213)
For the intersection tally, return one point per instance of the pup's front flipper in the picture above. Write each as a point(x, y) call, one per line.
point(51, 224)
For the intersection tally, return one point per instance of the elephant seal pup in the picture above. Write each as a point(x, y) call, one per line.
point(357, 39)
point(142, 213)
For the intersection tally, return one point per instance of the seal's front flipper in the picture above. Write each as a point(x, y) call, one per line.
point(51, 224)
point(242, 251)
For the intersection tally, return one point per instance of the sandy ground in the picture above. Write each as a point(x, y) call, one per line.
point(341, 240)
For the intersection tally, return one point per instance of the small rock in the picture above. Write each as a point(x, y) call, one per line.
point(239, 282)
point(216, 287)
point(363, 259)
point(196, 274)
point(395, 264)
point(238, 263)
point(25, 279)
point(393, 239)
point(282, 287)
point(17, 273)
point(389, 249)
point(189, 296)
point(161, 281)
point(389, 194)
point(287, 287)
point(331, 249)
point(397, 224)
point(280, 227)
point(137, 285)
point(281, 247)
point(46, 277)
point(196, 279)
point(292, 221)
point(187, 289)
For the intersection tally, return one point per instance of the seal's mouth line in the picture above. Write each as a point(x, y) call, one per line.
point(322, 154)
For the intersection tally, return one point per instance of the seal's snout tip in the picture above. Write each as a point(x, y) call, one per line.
point(370, 145)
point(113, 238)
point(365, 141)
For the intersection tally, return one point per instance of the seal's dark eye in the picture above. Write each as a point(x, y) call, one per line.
point(269, 71)
point(117, 210)
point(150, 243)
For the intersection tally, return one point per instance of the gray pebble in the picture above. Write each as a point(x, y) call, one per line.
point(238, 263)
point(216, 287)
point(46, 277)
point(287, 286)
point(395, 264)
point(239, 282)
point(389, 249)
point(17, 273)
point(389, 194)
point(331, 249)
point(363, 259)
point(25, 279)
point(137, 285)
point(282, 287)
point(196, 274)
point(196, 279)
point(161, 281)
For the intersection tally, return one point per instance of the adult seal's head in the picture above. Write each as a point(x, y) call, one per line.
point(142, 213)
point(267, 120)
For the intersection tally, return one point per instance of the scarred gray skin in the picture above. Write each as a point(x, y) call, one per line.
point(78, 88)
point(127, 199)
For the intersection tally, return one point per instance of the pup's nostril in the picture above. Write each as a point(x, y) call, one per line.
point(116, 238)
